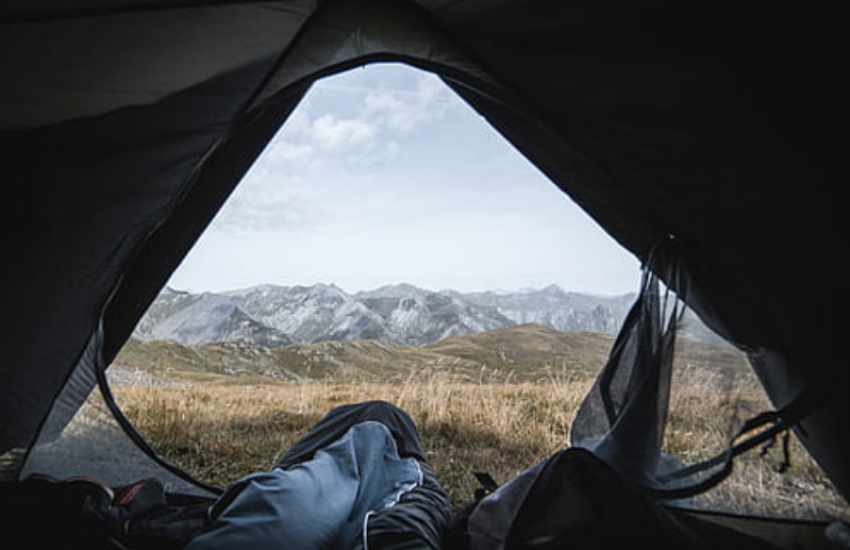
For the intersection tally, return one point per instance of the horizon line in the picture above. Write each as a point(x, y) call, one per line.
point(523, 290)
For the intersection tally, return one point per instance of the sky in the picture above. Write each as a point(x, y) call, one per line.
point(383, 175)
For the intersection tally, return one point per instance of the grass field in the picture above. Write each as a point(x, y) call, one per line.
point(223, 427)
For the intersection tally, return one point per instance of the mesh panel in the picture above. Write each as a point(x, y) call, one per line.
point(90, 442)
point(714, 392)
point(670, 402)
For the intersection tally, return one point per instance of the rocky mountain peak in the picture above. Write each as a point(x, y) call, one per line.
point(401, 313)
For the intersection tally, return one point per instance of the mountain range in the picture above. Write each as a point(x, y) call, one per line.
point(278, 316)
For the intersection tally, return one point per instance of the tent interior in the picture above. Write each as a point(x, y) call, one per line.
point(695, 135)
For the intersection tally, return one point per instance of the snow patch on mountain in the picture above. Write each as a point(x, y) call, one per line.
point(272, 315)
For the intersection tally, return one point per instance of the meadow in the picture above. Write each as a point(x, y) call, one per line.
point(224, 427)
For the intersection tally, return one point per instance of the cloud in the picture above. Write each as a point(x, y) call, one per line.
point(363, 125)
point(330, 132)
point(284, 151)
point(267, 201)
point(407, 109)
point(347, 139)
point(378, 152)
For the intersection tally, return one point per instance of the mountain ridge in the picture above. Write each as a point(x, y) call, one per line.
point(276, 315)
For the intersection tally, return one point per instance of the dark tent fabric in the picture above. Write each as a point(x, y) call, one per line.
point(124, 126)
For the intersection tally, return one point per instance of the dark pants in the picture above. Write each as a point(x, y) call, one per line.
point(339, 420)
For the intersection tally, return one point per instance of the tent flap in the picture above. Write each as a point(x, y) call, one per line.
point(123, 128)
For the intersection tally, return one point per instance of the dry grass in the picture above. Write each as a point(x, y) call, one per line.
point(222, 432)
point(706, 410)
point(224, 428)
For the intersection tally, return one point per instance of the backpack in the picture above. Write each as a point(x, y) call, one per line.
point(573, 499)
point(42, 512)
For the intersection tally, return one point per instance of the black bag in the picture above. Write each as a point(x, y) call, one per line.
point(575, 500)
point(42, 512)
point(46, 513)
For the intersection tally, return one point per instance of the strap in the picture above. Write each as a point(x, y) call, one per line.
point(488, 484)
point(767, 425)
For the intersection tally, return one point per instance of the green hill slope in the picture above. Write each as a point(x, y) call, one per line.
point(522, 353)
point(530, 351)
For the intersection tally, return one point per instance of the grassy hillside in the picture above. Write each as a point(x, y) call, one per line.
point(530, 352)
point(523, 353)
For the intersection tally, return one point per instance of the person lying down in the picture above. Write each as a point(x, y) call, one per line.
point(358, 480)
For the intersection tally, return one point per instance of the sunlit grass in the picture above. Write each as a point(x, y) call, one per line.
point(224, 428)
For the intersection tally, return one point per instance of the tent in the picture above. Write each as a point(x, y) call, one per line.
point(125, 125)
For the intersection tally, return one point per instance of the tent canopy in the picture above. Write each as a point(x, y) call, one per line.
point(125, 125)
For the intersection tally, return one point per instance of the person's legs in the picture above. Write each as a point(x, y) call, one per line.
point(339, 420)
point(324, 502)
